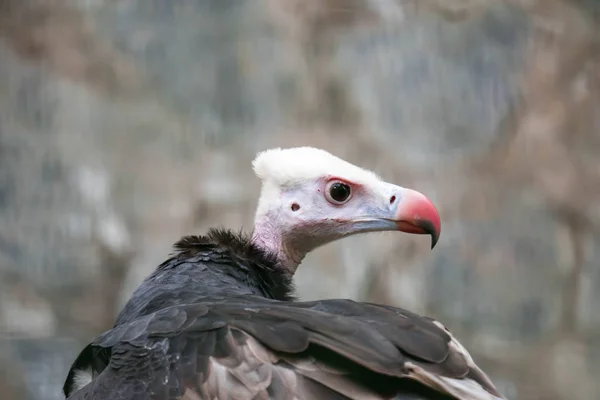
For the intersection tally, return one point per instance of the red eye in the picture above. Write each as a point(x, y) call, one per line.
point(338, 192)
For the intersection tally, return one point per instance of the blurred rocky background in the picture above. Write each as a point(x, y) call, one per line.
point(125, 124)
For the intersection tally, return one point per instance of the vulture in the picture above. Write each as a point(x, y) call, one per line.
point(219, 318)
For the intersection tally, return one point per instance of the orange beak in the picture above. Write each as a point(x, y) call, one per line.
point(416, 214)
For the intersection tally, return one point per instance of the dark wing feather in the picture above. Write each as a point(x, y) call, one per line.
point(254, 348)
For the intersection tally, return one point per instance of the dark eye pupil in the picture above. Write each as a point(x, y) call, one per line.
point(339, 191)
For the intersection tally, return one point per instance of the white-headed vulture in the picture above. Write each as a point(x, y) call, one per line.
point(219, 319)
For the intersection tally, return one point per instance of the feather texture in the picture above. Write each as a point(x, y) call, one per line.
point(216, 321)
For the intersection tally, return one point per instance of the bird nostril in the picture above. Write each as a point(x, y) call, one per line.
point(392, 199)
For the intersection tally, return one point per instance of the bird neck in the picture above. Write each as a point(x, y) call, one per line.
point(268, 237)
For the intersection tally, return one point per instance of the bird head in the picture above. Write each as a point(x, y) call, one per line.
point(310, 197)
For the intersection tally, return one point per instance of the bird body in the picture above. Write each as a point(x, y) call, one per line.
point(219, 318)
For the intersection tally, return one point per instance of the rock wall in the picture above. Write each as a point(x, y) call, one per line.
point(124, 125)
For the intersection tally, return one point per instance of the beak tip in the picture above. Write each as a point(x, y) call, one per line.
point(431, 228)
point(434, 240)
point(417, 214)
point(435, 231)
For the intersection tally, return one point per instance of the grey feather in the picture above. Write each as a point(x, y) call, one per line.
point(217, 321)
